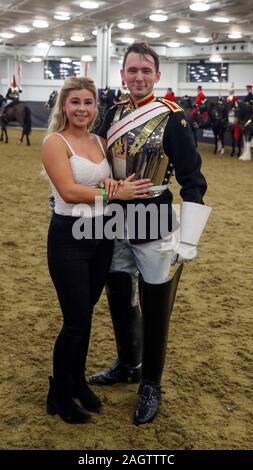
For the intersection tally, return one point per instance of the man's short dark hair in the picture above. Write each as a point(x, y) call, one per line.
point(143, 49)
point(199, 87)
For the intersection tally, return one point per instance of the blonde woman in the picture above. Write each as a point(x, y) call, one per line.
point(75, 162)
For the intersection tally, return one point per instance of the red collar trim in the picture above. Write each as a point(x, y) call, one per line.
point(147, 99)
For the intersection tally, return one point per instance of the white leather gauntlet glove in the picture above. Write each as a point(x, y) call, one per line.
point(193, 218)
point(184, 252)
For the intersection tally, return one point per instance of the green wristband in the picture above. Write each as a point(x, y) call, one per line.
point(103, 192)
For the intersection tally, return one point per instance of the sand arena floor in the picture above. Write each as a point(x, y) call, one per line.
point(208, 375)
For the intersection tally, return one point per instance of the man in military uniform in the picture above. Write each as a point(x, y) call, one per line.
point(249, 97)
point(149, 137)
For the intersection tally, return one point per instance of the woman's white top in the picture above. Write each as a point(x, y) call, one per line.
point(87, 173)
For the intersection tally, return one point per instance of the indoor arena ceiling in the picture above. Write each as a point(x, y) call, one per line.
point(83, 21)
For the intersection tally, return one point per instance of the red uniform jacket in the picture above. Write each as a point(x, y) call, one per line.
point(200, 97)
point(232, 98)
point(170, 96)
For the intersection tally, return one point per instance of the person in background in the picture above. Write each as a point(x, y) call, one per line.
point(75, 162)
point(170, 95)
point(233, 126)
point(13, 93)
point(199, 100)
point(231, 98)
point(249, 97)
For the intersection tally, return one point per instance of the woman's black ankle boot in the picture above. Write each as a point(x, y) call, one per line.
point(59, 401)
point(87, 397)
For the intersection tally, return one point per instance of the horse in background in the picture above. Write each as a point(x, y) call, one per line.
point(213, 115)
point(51, 100)
point(242, 113)
point(16, 112)
point(234, 127)
point(209, 115)
point(218, 115)
point(106, 99)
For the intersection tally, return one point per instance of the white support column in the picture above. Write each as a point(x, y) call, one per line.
point(175, 78)
point(103, 55)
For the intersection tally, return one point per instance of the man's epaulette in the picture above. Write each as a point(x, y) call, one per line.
point(171, 104)
point(119, 103)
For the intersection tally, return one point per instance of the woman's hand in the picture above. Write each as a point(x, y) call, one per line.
point(130, 189)
point(111, 187)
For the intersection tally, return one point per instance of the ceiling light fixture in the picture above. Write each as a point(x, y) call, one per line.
point(173, 44)
point(235, 35)
point(94, 32)
point(152, 35)
point(36, 59)
point(40, 24)
point(183, 29)
point(62, 17)
point(62, 13)
point(66, 60)
point(215, 58)
point(89, 5)
point(201, 40)
point(42, 45)
point(77, 38)
point(22, 29)
point(158, 17)
point(127, 40)
point(221, 19)
point(87, 58)
point(7, 35)
point(59, 42)
point(199, 6)
point(125, 25)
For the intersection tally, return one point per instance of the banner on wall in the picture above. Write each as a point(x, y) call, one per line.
point(19, 73)
point(86, 68)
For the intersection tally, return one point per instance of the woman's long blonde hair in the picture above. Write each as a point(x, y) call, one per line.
point(58, 120)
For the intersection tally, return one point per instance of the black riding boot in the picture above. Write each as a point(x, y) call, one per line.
point(154, 300)
point(59, 399)
point(126, 321)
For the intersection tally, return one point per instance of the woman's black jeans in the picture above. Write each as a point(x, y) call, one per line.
point(78, 269)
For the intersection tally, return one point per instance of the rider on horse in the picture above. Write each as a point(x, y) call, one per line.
point(231, 98)
point(13, 94)
point(199, 101)
point(249, 97)
point(170, 95)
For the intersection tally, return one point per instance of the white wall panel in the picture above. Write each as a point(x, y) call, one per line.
point(36, 88)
